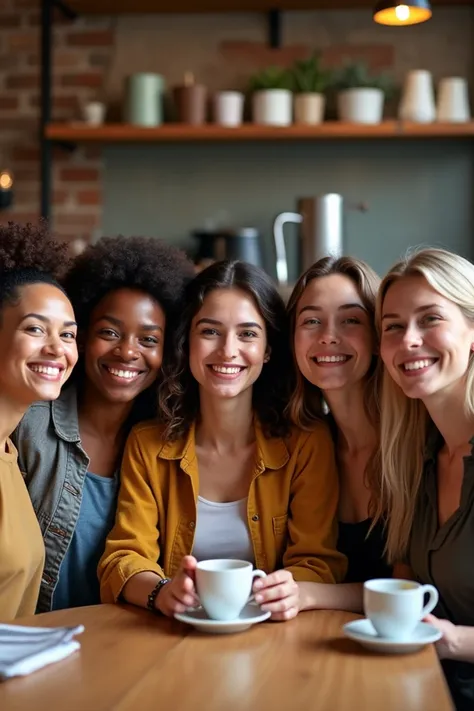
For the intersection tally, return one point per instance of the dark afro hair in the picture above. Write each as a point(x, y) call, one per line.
point(29, 255)
point(143, 263)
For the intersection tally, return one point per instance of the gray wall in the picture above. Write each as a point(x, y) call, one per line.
point(417, 191)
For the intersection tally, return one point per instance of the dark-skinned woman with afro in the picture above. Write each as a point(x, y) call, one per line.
point(126, 293)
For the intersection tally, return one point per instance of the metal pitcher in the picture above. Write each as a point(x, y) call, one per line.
point(321, 220)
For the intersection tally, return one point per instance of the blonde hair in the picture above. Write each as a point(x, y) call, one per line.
point(306, 405)
point(405, 421)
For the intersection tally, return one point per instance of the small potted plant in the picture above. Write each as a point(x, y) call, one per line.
point(272, 98)
point(310, 82)
point(361, 96)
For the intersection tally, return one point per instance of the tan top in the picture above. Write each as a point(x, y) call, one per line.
point(21, 543)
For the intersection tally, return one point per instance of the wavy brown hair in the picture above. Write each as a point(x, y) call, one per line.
point(179, 391)
point(306, 405)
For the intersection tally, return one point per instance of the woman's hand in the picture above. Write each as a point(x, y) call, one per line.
point(447, 645)
point(180, 593)
point(279, 594)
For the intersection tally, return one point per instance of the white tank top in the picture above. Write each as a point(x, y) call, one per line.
point(222, 531)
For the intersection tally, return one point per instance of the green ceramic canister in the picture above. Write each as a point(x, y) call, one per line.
point(144, 99)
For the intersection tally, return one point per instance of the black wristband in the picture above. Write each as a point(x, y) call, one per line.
point(152, 596)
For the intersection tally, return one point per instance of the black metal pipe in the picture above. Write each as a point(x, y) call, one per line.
point(46, 147)
point(65, 9)
point(274, 28)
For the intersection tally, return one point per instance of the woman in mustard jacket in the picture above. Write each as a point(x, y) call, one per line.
point(226, 476)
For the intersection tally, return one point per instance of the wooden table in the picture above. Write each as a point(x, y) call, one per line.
point(131, 660)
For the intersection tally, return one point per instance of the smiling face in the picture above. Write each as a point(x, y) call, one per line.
point(334, 337)
point(123, 348)
point(38, 348)
point(228, 344)
point(426, 339)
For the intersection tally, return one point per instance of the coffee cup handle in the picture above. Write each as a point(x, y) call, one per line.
point(256, 574)
point(432, 602)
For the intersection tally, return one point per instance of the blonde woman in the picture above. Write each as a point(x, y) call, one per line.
point(332, 316)
point(426, 315)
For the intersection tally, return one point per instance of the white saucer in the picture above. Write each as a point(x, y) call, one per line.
point(363, 632)
point(250, 615)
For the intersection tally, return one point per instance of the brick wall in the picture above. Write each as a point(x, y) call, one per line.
point(82, 51)
point(93, 55)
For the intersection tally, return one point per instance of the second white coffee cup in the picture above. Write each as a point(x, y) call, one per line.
point(224, 586)
point(395, 607)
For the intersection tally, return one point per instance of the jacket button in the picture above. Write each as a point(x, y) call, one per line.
point(255, 517)
point(191, 525)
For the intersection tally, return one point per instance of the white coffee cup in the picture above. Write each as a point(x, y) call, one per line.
point(395, 607)
point(224, 586)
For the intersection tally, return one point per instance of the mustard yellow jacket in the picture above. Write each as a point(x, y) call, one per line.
point(291, 508)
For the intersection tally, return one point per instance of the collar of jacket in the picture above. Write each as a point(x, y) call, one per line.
point(64, 414)
point(271, 453)
point(434, 442)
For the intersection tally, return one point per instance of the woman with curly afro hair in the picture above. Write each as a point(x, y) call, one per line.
point(225, 476)
point(38, 351)
point(126, 292)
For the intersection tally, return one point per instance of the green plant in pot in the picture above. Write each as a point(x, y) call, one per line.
point(310, 82)
point(272, 98)
point(361, 95)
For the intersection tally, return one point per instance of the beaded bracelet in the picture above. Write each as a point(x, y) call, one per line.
point(152, 596)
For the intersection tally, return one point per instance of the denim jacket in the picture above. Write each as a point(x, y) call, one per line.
point(54, 466)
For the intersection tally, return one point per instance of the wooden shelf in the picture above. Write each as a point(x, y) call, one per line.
point(115, 7)
point(125, 133)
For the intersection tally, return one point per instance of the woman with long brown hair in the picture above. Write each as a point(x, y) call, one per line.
point(332, 311)
point(226, 476)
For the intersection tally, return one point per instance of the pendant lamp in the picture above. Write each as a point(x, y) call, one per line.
point(397, 12)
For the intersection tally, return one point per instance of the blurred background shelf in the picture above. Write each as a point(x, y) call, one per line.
point(115, 7)
point(125, 133)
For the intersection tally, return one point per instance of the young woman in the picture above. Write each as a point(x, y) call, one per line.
point(126, 292)
point(332, 316)
point(426, 315)
point(227, 477)
point(37, 354)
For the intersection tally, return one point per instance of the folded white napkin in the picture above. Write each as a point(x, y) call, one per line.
point(25, 649)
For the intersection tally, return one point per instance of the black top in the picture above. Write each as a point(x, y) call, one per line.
point(364, 554)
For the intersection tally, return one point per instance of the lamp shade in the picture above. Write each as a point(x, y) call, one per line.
point(397, 12)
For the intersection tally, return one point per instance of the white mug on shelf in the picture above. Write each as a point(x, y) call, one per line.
point(453, 100)
point(94, 113)
point(228, 108)
point(418, 101)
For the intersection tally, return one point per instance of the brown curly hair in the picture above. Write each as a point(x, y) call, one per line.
point(179, 393)
point(28, 255)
